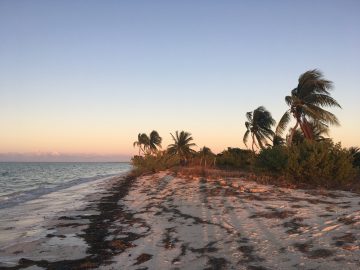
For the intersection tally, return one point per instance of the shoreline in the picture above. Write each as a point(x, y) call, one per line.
point(40, 229)
point(33, 194)
point(162, 221)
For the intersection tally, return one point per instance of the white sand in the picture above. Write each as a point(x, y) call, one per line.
point(199, 224)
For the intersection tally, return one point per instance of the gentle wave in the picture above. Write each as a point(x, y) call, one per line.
point(20, 183)
point(25, 196)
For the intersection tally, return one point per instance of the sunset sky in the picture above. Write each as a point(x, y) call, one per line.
point(80, 79)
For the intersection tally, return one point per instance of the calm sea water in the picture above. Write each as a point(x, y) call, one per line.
point(21, 182)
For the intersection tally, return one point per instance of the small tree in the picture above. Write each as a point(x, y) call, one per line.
point(204, 154)
point(182, 146)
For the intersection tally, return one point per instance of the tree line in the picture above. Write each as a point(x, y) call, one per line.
point(306, 106)
point(303, 154)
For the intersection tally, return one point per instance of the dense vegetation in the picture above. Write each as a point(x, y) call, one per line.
point(304, 157)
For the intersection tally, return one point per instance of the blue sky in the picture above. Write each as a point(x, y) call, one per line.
point(84, 77)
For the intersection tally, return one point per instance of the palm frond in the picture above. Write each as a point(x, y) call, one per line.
point(249, 116)
point(319, 114)
point(289, 100)
point(246, 136)
point(173, 136)
point(259, 140)
point(312, 82)
point(322, 100)
point(284, 121)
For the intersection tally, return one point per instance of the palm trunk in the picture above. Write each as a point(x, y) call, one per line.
point(293, 131)
point(260, 142)
point(307, 130)
point(253, 142)
point(304, 130)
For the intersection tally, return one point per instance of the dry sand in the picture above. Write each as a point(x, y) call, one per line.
point(166, 222)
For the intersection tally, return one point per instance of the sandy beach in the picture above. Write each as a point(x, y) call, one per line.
point(163, 221)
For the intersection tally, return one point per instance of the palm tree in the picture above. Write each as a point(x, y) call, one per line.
point(142, 142)
point(148, 144)
point(181, 146)
point(154, 141)
point(259, 125)
point(204, 153)
point(306, 102)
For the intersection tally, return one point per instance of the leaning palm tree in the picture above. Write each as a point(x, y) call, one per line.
point(306, 102)
point(204, 153)
point(259, 126)
point(154, 141)
point(148, 144)
point(181, 146)
point(142, 142)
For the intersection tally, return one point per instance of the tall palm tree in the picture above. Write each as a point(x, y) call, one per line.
point(204, 153)
point(142, 142)
point(181, 146)
point(306, 102)
point(259, 125)
point(154, 141)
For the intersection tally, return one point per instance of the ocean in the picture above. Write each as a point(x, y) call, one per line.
point(22, 182)
point(33, 195)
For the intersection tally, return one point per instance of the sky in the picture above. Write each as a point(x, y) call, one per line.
point(80, 79)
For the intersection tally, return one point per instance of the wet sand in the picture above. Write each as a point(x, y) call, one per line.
point(165, 222)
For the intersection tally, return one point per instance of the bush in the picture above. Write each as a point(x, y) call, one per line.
point(154, 163)
point(274, 159)
point(235, 158)
point(320, 163)
point(356, 160)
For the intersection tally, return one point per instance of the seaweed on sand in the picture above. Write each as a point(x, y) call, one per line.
point(98, 232)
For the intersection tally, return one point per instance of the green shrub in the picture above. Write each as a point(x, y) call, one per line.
point(356, 160)
point(274, 159)
point(235, 158)
point(154, 163)
point(320, 163)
